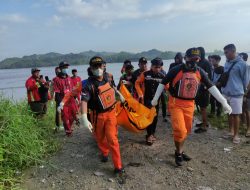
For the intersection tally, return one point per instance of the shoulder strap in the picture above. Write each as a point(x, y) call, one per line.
point(177, 77)
point(229, 70)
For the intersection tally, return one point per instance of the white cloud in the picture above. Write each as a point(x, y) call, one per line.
point(104, 12)
point(14, 18)
point(100, 12)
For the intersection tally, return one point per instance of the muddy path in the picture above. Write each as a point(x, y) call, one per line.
point(217, 164)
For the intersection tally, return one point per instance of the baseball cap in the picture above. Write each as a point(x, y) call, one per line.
point(34, 70)
point(193, 53)
point(63, 64)
point(96, 61)
point(157, 61)
point(143, 60)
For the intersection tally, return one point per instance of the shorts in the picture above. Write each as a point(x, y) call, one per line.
point(38, 107)
point(236, 104)
point(202, 99)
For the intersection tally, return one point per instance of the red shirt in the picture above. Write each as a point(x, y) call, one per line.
point(76, 80)
point(63, 86)
point(32, 90)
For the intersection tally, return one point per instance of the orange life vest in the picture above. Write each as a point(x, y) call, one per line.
point(185, 85)
point(106, 96)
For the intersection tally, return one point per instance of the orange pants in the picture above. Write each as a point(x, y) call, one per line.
point(106, 131)
point(181, 112)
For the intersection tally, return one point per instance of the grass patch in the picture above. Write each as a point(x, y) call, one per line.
point(24, 140)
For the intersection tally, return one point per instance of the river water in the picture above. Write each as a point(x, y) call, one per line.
point(12, 81)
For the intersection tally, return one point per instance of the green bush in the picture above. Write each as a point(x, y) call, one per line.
point(24, 140)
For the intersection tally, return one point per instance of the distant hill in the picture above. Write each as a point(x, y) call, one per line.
point(53, 59)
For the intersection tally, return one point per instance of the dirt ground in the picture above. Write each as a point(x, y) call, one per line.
point(217, 164)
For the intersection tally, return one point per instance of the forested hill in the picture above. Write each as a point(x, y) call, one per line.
point(52, 59)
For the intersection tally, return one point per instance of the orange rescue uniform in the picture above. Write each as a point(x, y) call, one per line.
point(183, 85)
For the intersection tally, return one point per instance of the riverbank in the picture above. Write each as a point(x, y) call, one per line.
point(217, 163)
point(24, 140)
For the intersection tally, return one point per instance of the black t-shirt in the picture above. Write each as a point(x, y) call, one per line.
point(43, 91)
point(135, 75)
point(151, 82)
point(172, 65)
point(89, 91)
point(206, 66)
point(173, 72)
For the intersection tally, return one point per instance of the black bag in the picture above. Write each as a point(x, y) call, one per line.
point(222, 82)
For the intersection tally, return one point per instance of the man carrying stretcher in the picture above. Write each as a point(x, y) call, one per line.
point(184, 81)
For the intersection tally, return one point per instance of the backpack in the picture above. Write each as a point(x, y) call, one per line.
point(185, 85)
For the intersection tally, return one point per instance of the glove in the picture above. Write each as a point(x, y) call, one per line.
point(124, 82)
point(122, 99)
point(218, 96)
point(158, 93)
point(227, 108)
point(86, 123)
point(60, 107)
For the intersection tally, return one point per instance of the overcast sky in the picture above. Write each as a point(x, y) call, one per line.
point(64, 26)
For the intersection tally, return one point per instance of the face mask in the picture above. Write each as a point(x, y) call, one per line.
point(98, 72)
point(190, 64)
point(65, 71)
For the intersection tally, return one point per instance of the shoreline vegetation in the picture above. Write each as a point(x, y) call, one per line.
point(52, 59)
point(24, 140)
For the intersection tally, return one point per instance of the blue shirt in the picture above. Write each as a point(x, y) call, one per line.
point(238, 78)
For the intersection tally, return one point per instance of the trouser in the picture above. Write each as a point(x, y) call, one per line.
point(152, 127)
point(68, 116)
point(57, 118)
point(164, 104)
point(215, 104)
point(181, 119)
point(106, 131)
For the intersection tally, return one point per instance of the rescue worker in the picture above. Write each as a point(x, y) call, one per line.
point(99, 95)
point(57, 117)
point(127, 79)
point(202, 98)
point(34, 99)
point(178, 59)
point(62, 86)
point(150, 80)
point(217, 71)
point(164, 99)
point(76, 80)
point(142, 68)
point(125, 63)
point(184, 81)
point(44, 93)
point(110, 76)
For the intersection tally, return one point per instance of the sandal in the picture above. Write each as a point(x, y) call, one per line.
point(247, 134)
point(149, 140)
point(200, 130)
point(227, 136)
point(236, 140)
